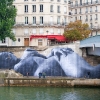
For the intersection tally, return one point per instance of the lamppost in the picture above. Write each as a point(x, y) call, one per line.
point(48, 42)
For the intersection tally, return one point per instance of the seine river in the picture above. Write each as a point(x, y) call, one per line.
point(31, 93)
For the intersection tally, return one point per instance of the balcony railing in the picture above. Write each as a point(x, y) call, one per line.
point(84, 4)
point(43, 24)
point(94, 28)
point(51, 10)
point(70, 13)
point(86, 11)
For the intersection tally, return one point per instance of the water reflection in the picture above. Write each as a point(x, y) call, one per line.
point(31, 93)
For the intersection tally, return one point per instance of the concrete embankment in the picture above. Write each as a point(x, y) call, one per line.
point(52, 82)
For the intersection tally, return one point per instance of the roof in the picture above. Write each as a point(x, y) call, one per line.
point(89, 42)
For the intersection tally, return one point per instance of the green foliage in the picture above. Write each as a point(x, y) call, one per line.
point(77, 31)
point(7, 16)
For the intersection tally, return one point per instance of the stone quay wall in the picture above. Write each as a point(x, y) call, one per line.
point(18, 51)
point(52, 82)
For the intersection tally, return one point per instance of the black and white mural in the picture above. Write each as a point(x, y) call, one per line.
point(60, 62)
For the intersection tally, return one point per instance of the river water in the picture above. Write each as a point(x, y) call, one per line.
point(31, 93)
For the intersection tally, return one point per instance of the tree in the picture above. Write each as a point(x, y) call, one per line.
point(77, 31)
point(7, 16)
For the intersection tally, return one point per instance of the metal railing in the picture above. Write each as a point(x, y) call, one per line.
point(93, 28)
point(41, 24)
point(85, 4)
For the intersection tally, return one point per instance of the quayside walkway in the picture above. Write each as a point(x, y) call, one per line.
point(52, 82)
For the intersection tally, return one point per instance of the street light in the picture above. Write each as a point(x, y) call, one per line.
point(47, 39)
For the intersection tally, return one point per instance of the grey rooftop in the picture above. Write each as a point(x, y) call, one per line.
point(89, 42)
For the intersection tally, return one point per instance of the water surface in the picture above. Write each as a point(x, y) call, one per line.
point(31, 93)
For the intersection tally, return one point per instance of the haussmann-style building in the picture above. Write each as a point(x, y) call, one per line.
point(88, 11)
point(39, 22)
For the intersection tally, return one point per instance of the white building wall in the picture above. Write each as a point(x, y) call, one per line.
point(73, 7)
point(20, 28)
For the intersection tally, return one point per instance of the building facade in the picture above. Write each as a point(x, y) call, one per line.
point(88, 12)
point(38, 18)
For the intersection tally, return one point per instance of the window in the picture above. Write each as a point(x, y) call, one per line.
point(71, 3)
point(51, 8)
point(80, 17)
point(51, 31)
point(58, 9)
point(51, 20)
point(59, 32)
point(34, 20)
point(65, 1)
point(75, 18)
point(80, 11)
point(18, 39)
point(58, 20)
point(13, 43)
point(26, 20)
point(86, 9)
point(41, 30)
point(34, 8)
point(86, 1)
point(65, 21)
point(80, 2)
point(90, 17)
point(25, 0)
point(96, 33)
point(41, 8)
point(76, 3)
point(39, 42)
point(91, 25)
point(14, 20)
point(90, 9)
point(14, 6)
point(26, 8)
point(34, 31)
point(26, 31)
point(91, 1)
point(96, 17)
point(96, 1)
point(65, 9)
point(75, 11)
point(96, 9)
point(41, 20)
point(86, 18)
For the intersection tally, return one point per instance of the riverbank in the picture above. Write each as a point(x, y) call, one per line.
point(51, 82)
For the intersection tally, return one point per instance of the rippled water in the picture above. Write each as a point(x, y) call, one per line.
point(31, 93)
